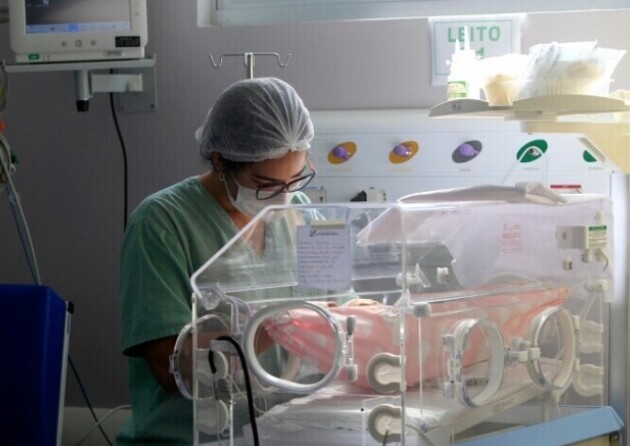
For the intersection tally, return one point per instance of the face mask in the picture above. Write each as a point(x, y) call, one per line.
point(248, 204)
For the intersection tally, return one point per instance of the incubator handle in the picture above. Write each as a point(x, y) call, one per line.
point(385, 423)
point(521, 193)
point(351, 367)
point(384, 373)
point(589, 380)
point(212, 416)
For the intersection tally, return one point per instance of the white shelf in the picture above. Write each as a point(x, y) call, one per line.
point(541, 106)
point(79, 65)
point(605, 140)
point(469, 107)
point(570, 104)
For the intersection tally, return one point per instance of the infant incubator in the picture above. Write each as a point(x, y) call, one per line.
point(444, 317)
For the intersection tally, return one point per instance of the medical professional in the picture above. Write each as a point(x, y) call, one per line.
point(256, 139)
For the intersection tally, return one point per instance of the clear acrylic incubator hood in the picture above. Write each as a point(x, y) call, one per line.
point(441, 318)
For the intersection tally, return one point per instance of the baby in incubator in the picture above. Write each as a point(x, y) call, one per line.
point(381, 329)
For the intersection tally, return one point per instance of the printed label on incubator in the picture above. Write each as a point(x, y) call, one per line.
point(597, 236)
point(511, 238)
point(324, 260)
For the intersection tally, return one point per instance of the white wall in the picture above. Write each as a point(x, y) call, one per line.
point(70, 174)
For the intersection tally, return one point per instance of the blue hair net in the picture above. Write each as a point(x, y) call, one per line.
point(254, 120)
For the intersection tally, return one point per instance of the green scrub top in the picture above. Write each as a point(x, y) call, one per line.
point(169, 236)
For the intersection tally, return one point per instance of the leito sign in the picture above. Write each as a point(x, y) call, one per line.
point(487, 35)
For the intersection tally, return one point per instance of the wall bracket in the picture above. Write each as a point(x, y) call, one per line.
point(132, 80)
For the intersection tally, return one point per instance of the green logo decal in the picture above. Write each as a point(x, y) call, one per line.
point(588, 157)
point(532, 151)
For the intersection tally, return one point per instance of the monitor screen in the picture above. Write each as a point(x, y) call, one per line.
point(74, 16)
point(77, 30)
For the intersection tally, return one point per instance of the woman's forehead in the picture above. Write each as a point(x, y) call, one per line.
point(291, 163)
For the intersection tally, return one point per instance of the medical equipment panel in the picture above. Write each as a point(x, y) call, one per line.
point(67, 31)
point(437, 319)
point(392, 153)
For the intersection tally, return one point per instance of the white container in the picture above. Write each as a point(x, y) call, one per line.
point(463, 82)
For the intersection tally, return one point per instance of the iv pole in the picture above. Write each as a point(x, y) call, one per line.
point(249, 60)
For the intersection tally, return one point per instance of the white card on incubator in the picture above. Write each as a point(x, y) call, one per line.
point(323, 254)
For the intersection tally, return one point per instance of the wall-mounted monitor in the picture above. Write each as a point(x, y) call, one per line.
point(77, 30)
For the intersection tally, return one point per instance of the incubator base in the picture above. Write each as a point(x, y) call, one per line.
point(575, 426)
point(339, 414)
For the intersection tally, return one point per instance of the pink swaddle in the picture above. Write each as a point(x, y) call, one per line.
point(308, 335)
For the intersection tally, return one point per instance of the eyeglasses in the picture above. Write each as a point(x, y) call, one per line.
point(267, 191)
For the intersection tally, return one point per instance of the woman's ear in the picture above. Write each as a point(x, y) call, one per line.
point(216, 161)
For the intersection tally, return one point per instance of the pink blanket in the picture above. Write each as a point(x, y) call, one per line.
point(308, 336)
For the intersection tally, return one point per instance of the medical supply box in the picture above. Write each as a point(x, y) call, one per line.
point(35, 334)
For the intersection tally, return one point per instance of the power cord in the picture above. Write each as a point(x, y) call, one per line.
point(22, 242)
point(4, 81)
point(248, 386)
point(124, 154)
point(14, 199)
point(87, 401)
point(101, 420)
